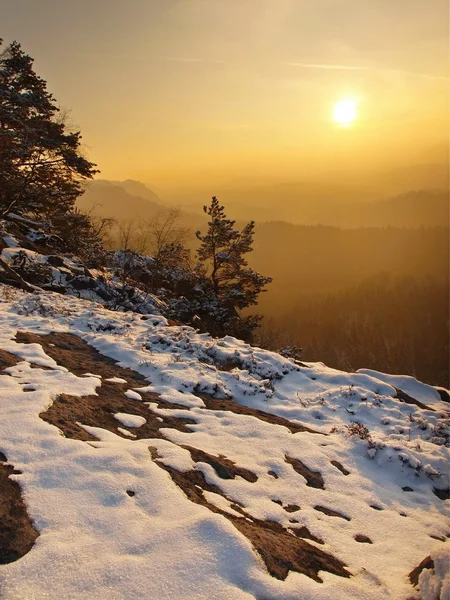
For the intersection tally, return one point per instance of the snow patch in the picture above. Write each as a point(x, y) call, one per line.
point(130, 420)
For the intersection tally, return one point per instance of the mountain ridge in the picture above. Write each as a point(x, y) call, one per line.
point(414, 208)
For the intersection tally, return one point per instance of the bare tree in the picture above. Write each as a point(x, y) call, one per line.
point(164, 231)
point(101, 226)
point(131, 236)
point(166, 239)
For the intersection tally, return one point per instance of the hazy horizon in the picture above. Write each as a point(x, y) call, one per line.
point(192, 93)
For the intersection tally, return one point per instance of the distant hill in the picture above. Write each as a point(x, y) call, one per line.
point(302, 203)
point(114, 199)
point(316, 203)
point(136, 188)
point(298, 203)
point(417, 177)
point(129, 200)
point(424, 208)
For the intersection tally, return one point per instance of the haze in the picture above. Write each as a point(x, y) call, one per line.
point(201, 93)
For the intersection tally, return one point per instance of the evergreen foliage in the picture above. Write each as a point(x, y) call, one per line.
point(81, 236)
point(41, 167)
point(222, 259)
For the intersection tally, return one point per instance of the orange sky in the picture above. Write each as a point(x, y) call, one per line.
point(175, 92)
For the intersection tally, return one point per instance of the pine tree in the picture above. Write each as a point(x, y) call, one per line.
point(41, 167)
point(222, 257)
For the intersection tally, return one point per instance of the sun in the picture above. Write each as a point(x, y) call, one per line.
point(345, 111)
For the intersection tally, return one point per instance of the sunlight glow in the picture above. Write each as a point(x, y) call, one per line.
point(345, 112)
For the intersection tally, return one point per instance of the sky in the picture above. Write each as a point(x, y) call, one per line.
point(179, 92)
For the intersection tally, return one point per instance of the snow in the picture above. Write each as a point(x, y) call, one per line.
point(133, 395)
point(8, 254)
point(101, 286)
point(130, 420)
point(10, 241)
point(98, 541)
point(126, 432)
point(434, 584)
point(420, 391)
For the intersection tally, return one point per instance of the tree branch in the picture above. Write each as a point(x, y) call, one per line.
point(17, 278)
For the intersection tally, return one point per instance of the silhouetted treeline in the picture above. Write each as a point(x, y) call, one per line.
point(303, 259)
point(391, 324)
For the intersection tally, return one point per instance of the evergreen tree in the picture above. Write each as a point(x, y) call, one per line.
point(41, 167)
point(222, 258)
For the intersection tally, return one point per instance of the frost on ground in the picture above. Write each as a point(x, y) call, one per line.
point(157, 462)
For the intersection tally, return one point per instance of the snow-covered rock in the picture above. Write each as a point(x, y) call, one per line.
point(226, 439)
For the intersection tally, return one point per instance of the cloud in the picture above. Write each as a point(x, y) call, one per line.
point(183, 59)
point(337, 67)
point(186, 59)
point(325, 66)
